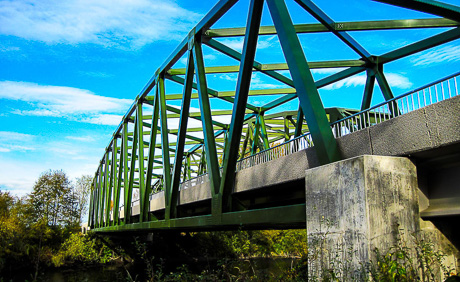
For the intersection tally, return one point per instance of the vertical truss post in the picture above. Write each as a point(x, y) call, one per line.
point(298, 126)
point(246, 140)
point(100, 203)
point(105, 197)
point(263, 131)
point(164, 139)
point(287, 134)
point(310, 101)
point(143, 201)
point(368, 90)
point(119, 170)
point(96, 200)
point(152, 146)
point(91, 207)
point(255, 138)
point(386, 90)
point(383, 83)
point(208, 130)
point(132, 169)
point(125, 171)
point(110, 186)
point(171, 207)
point(115, 178)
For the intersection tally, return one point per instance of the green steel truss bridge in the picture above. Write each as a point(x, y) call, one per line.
point(207, 176)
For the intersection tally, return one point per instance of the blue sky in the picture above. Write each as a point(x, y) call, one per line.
point(69, 70)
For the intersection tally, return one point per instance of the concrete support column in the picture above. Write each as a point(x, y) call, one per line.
point(357, 205)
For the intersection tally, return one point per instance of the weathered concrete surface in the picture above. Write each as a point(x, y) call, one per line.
point(356, 206)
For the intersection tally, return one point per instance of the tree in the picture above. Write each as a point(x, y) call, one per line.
point(54, 200)
point(82, 191)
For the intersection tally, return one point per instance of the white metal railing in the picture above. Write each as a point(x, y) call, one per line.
point(200, 179)
point(435, 92)
point(411, 101)
point(297, 144)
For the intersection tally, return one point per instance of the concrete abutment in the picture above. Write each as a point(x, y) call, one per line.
point(363, 204)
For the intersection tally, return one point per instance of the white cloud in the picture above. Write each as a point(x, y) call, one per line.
point(96, 74)
point(207, 57)
point(237, 43)
point(16, 136)
point(117, 23)
point(81, 138)
point(9, 48)
point(449, 53)
point(257, 80)
point(58, 101)
point(15, 141)
point(394, 79)
point(104, 119)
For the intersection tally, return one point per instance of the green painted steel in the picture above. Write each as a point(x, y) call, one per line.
point(325, 144)
point(171, 211)
point(208, 155)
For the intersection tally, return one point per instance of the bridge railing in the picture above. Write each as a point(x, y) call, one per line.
point(294, 145)
point(409, 102)
point(421, 97)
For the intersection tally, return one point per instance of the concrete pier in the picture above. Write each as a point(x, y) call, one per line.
point(356, 206)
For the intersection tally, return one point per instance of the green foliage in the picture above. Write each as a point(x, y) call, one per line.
point(41, 229)
point(53, 199)
point(82, 249)
point(420, 262)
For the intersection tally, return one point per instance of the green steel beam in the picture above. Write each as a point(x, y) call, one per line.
point(319, 84)
point(317, 13)
point(238, 56)
point(164, 139)
point(100, 197)
point(274, 67)
point(420, 46)
point(151, 153)
point(428, 6)
point(208, 130)
point(368, 90)
point(105, 198)
point(298, 126)
point(143, 196)
point(315, 115)
point(171, 207)
point(114, 175)
point(276, 217)
point(211, 92)
point(342, 26)
point(238, 112)
point(116, 204)
point(131, 176)
point(263, 131)
point(124, 151)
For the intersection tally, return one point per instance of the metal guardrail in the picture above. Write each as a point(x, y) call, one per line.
point(421, 97)
point(409, 102)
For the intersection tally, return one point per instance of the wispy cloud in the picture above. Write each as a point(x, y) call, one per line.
point(81, 138)
point(206, 58)
point(394, 79)
point(449, 53)
point(96, 74)
point(118, 23)
point(58, 101)
point(257, 81)
point(15, 141)
point(237, 43)
point(104, 119)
